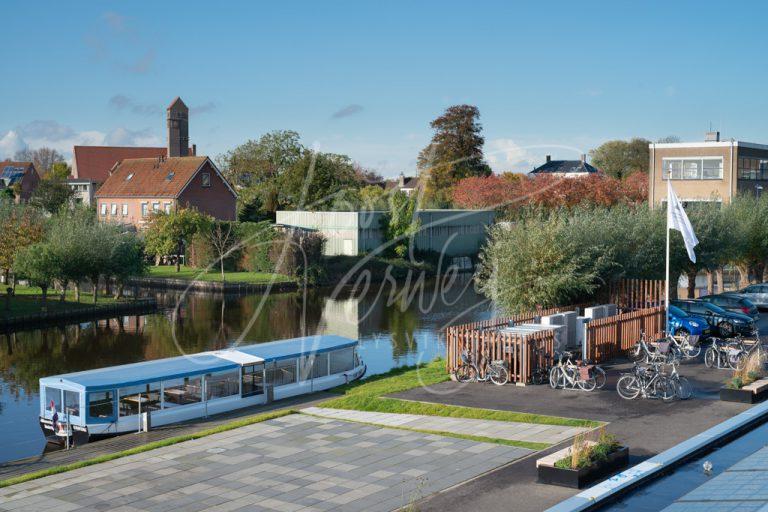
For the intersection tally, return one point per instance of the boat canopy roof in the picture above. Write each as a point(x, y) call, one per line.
point(206, 362)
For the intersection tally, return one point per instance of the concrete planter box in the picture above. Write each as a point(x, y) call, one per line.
point(751, 394)
point(578, 478)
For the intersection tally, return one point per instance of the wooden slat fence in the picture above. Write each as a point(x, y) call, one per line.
point(636, 294)
point(613, 336)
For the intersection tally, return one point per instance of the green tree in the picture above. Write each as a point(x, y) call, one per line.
point(51, 195)
point(400, 223)
point(255, 168)
point(316, 180)
point(170, 233)
point(20, 226)
point(59, 171)
point(619, 158)
point(69, 235)
point(455, 152)
point(126, 261)
point(373, 197)
point(39, 264)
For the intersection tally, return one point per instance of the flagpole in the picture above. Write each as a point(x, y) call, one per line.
point(666, 272)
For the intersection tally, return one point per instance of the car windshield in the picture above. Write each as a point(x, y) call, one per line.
point(716, 309)
point(674, 310)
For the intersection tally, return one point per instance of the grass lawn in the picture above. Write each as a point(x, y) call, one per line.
point(190, 273)
point(367, 395)
point(27, 301)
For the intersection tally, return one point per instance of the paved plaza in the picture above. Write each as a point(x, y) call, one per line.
point(297, 462)
point(509, 430)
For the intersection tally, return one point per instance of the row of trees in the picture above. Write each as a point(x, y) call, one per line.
point(553, 257)
point(70, 248)
point(512, 193)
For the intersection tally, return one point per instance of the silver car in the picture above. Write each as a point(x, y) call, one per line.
point(755, 293)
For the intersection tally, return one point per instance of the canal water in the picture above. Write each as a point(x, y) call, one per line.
point(396, 325)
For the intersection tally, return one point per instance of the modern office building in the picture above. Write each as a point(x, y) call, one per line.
point(712, 170)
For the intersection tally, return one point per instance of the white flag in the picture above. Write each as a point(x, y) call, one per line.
point(677, 219)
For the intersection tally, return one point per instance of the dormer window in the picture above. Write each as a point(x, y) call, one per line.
point(205, 179)
point(170, 176)
point(128, 178)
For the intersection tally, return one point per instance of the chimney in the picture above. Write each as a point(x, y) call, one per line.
point(583, 158)
point(177, 116)
point(401, 180)
point(194, 149)
point(712, 137)
point(549, 158)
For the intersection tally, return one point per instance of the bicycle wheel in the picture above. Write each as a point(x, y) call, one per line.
point(737, 361)
point(665, 388)
point(586, 385)
point(710, 358)
point(628, 387)
point(556, 378)
point(692, 351)
point(600, 377)
point(684, 388)
point(499, 375)
point(465, 373)
point(636, 353)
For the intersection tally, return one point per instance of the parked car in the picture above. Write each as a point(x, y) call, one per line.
point(756, 293)
point(735, 303)
point(726, 323)
point(681, 323)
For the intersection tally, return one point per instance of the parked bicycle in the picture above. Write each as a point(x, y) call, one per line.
point(568, 375)
point(688, 346)
point(724, 354)
point(643, 352)
point(470, 371)
point(684, 389)
point(540, 374)
point(648, 382)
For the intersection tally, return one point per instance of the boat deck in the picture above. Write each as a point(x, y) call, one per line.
point(132, 440)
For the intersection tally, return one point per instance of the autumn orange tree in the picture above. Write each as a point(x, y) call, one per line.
point(20, 227)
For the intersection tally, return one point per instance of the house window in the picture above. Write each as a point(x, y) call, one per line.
point(113, 209)
point(692, 168)
point(205, 179)
point(155, 207)
point(125, 210)
point(103, 209)
point(167, 207)
point(144, 209)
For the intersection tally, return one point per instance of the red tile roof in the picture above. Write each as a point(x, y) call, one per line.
point(151, 177)
point(95, 162)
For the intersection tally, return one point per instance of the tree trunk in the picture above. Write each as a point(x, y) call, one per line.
point(221, 264)
point(691, 284)
point(119, 292)
point(178, 257)
point(77, 291)
point(107, 287)
point(720, 280)
point(95, 283)
point(710, 282)
point(64, 286)
point(743, 275)
point(157, 260)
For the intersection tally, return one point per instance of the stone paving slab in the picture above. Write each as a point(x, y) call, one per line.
point(509, 430)
point(293, 463)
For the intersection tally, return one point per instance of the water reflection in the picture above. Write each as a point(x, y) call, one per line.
point(394, 329)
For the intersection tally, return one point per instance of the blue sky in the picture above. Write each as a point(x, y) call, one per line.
point(366, 79)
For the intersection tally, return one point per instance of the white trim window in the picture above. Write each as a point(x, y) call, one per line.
point(144, 209)
point(125, 210)
point(167, 208)
point(155, 207)
point(103, 209)
point(700, 168)
point(205, 179)
point(113, 209)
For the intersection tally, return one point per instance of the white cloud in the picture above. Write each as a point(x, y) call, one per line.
point(507, 155)
point(10, 143)
point(125, 137)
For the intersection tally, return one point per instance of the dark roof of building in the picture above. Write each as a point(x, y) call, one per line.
point(13, 172)
point(151, 177)
point(564, 166)
point(95, 162)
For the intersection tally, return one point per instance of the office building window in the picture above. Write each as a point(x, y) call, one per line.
point(753, 168)
point(692, 168)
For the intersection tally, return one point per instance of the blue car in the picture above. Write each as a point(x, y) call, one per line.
point(681, 323)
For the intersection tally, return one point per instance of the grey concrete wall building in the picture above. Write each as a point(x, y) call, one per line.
point(452, 232)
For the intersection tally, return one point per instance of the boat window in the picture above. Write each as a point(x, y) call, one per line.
point(143, 397)
point(101, 404)
point(52, 399)
point(282, 372)
point(313, 366)
point(253, 379)
point(188, 390)
point(342, 360)
point(222, 384)
point(72, 403)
